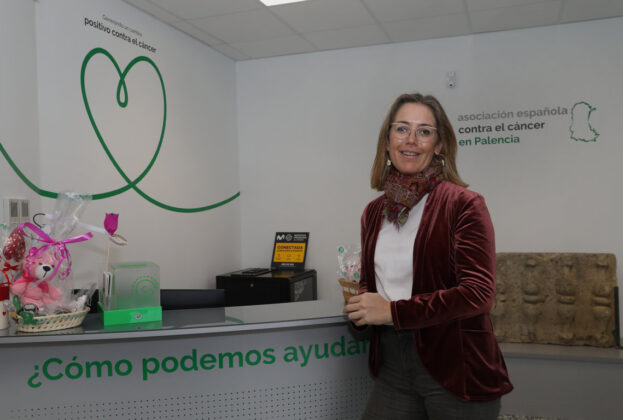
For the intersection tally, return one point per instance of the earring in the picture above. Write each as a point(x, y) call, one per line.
point(440, 158)
point(389, 162)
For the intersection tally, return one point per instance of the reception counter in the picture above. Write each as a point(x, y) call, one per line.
point(282, 361)
point(288, 360)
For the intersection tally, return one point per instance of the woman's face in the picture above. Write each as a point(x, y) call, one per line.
point(413, 153)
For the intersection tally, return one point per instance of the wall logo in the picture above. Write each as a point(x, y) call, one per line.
point(508, 127)
point(122, 100)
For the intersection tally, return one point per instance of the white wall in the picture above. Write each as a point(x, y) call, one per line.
point(308, 126)
point(197, 164)
point(18, 98)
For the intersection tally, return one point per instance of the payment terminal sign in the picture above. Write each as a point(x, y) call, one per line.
point(290, 250)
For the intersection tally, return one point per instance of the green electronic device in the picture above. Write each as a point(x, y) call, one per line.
point(131, 294)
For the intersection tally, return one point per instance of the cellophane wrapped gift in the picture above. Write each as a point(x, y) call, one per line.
point(349, 263)
point(45, 286)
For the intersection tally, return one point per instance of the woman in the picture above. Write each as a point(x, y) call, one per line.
point(428, 277)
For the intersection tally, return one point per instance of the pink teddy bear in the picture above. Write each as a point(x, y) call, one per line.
point(33, 286)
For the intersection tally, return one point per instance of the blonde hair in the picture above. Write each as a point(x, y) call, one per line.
point(446, 136)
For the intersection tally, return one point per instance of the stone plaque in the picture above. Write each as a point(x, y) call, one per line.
point(551, 298)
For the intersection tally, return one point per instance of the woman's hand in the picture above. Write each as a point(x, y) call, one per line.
point(368, 309)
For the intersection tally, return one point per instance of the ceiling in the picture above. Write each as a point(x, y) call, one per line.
point(246, 29)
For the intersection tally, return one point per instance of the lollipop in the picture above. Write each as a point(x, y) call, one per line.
point(13, 250)
point(14, 247)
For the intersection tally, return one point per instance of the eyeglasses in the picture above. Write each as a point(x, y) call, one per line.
point(402, 131)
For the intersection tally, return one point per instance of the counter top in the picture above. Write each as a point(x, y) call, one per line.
point(193, 322)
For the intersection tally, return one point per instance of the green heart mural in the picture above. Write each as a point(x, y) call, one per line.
point(122, 101)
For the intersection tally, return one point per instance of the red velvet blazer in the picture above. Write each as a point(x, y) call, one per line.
point(453, 291)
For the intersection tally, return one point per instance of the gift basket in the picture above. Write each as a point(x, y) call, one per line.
point(43, 323)
point(42, 296)
point(349, 262)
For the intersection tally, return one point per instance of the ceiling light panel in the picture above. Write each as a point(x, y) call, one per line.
point(278, 2)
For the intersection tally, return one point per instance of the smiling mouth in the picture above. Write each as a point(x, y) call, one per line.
point(410, 154)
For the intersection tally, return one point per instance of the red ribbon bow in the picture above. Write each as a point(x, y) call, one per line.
point(8, 267)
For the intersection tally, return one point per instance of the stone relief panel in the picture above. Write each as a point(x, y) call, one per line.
point(555, 298)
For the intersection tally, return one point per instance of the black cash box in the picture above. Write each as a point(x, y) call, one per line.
point(258, 286)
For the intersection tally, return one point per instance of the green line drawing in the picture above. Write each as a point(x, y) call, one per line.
point(233, 319)
point(122, 100)
point(580, 128)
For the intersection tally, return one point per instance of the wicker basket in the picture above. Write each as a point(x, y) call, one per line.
point(50, 322)
point(349, 288)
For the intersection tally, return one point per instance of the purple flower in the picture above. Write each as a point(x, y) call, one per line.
point(110, 223)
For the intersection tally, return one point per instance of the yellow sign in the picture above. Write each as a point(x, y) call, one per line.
point(289, 252)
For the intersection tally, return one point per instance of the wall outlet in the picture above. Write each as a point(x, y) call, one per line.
point(24, 213)
point(16, 211)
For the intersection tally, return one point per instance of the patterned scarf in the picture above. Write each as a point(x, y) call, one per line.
point(402, 192)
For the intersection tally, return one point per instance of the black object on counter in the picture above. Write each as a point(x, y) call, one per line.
point(259, 286)
point(191, 298)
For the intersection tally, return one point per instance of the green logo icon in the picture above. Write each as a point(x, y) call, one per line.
point(145, 287)
point(580, 128)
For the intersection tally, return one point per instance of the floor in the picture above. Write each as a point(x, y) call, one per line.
point(511, 417)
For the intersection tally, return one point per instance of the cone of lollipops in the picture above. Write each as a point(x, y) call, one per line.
point(349, 262)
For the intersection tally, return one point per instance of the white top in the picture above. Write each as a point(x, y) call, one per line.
point(393, 257)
